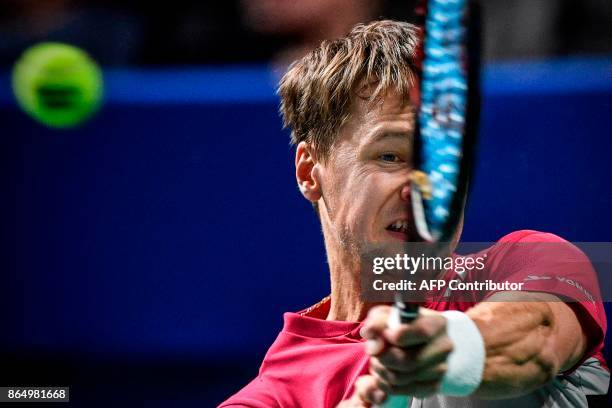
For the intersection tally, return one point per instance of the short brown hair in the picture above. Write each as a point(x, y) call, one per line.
point(317, 90)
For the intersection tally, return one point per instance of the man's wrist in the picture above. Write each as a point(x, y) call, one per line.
point(466, 361)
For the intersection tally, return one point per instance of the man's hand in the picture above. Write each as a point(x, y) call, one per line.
point(409, 359)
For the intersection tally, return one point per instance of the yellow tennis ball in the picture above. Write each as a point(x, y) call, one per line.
point(57, 84)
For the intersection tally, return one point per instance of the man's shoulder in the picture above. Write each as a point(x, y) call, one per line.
point(530, 236)
point(520, 245)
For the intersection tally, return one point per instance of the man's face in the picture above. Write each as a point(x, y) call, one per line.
point(365, 182)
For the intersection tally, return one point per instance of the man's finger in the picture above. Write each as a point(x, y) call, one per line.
point(417, 389)
point(368, 390)
point(387, 377)
point(415, 358)
point(435, 373)
point(398, 378)
point(422, 330)
point(376, 322)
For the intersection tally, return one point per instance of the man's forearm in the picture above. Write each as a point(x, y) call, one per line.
point(529, 338)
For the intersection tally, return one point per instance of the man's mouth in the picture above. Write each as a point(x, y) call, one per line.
point(400, 229)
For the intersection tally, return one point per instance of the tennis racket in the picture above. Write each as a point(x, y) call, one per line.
point(444, 140)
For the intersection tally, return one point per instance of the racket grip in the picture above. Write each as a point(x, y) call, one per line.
point(402, 312)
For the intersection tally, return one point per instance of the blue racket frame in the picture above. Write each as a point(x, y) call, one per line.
point(447, 119)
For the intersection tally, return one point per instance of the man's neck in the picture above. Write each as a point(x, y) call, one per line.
point(346, 303)
point(344, 263)
point(340, 310)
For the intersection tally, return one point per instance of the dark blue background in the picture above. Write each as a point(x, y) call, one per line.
point(152, 251)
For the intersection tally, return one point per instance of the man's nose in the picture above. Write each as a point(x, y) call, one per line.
point(405, 192)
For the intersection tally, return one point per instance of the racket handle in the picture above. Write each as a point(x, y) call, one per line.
point(402, 312)
point(408, 313)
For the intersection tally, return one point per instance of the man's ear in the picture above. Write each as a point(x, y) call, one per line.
point(307, 172)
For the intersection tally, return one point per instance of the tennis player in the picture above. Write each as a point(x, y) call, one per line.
point(348, 106)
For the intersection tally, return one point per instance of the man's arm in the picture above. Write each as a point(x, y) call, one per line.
point(529, 338)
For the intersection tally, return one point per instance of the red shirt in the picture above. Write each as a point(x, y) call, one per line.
point(315, 362)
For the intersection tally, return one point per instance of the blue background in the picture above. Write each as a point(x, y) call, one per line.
point(160, 243)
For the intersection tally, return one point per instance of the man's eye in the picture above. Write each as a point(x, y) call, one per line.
point(389, 157)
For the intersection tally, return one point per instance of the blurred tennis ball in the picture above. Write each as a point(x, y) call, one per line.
point(57, 84)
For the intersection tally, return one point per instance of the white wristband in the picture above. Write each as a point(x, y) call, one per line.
point(466, 361)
